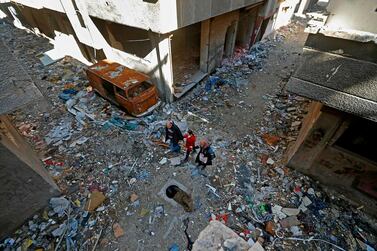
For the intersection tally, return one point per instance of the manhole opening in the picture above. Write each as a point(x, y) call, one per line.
point(181, 197)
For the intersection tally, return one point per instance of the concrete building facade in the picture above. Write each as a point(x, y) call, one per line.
point(176, 42)
point(336, 144)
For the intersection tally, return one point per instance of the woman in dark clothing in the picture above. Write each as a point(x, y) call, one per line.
point(174, 134)
point(205, 155)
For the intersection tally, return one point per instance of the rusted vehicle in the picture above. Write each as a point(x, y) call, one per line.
point(125, 87)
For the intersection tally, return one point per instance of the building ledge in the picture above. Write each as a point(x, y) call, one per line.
point(334, 98)
point(16, 87)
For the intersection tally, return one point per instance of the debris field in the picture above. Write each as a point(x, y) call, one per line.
point(113, 169)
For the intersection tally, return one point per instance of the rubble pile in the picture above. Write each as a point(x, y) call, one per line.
point(244, 61)
point(262, 198)
point(108, 165)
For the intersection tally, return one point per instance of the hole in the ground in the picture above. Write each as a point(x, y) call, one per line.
point(181, 197)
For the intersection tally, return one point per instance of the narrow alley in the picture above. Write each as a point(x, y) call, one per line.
point(113, 170)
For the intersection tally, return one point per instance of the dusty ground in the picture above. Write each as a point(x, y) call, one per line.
point(120, 162)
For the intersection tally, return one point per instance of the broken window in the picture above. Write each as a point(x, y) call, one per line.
point(139, 89)
point(109, 88)
point(121, 92)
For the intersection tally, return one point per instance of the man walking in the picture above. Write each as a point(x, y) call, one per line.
point(205, 155)
point(174, 134)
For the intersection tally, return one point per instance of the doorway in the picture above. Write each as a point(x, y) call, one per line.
point(230, 39)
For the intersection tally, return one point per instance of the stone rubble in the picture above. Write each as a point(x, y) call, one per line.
point(101, 159)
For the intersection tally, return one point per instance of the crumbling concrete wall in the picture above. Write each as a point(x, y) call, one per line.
point(245, 27)
point(218, 28)
point(316, 154)
point(25, 185)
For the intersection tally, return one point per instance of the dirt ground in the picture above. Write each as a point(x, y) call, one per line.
point(248, 173)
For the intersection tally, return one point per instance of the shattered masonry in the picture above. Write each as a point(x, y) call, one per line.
point(110, 167)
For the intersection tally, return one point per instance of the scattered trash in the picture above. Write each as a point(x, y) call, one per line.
point(174, 247)
point(270, 227)
point(271, 139)
point(143, 175)
point(289, 222)
point(270, 161)
point(133, 197)
point(59, 205)
point(67, 94)
point(60, 230)
point(290, 211)
point(163, 161)
point(121, 123)
point(96, 198)
point(159, 211)
point(277, 210)
point(118, 231)
point(144, 212)
point(60, 133)
point(107, 164)
point(176, 161)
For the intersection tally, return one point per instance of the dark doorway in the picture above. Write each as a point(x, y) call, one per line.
point(360, 138)
point(230, 40)
point(262, 29)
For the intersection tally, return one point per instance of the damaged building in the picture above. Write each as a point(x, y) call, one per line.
point(337, 141)
point(176, 43)
point(82, 171)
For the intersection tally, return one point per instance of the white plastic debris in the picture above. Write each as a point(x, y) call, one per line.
point(59, 205)
point(163, 161)
point(270, 161)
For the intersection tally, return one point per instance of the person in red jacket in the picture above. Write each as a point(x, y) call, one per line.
point(190, 143)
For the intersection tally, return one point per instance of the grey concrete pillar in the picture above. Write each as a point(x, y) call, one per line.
point(204, 45)
point(303, 6)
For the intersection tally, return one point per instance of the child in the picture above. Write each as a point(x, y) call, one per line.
point(190, 143)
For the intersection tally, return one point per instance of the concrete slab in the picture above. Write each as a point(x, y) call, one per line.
point(16, 87)
point(217, 236)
